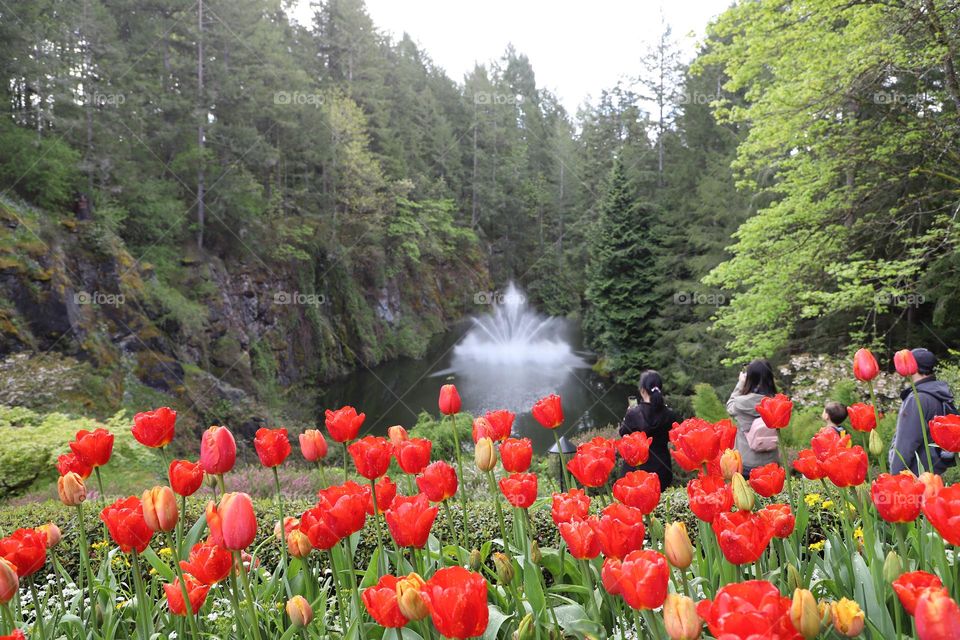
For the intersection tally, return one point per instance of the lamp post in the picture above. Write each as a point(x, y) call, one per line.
point(562, 448)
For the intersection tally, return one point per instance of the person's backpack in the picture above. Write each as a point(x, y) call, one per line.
point(760, 437)
point(948, 458)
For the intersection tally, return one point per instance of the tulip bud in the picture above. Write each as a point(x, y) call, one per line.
point(475, 560)
point(299, 611)
point(825, 609)
point(655, 529)
point(932, 484)
point(289, 524)
point(536, 557)
point(298, 544)
point(71, 489)
point(875, 444)
point(396, 434)
point(411, 603)
point(504, 566)
point(804, 614)
point(160, 508)
point(680, 618)
point(743, 495)
point(905, 363)
point(52, 532)
point(731, 462)
point(9, 581)
point(485, 455)
point(677, 546)
point(793, 578)
point(892, 567)
point(527, 629)
point(848, 618)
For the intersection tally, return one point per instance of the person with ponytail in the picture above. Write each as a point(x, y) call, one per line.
point(653, 417)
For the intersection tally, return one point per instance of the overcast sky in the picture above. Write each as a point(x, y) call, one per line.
point(577, 47)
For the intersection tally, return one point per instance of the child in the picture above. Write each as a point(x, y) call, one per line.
point(834, 414)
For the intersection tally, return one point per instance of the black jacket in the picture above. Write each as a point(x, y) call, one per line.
point(642, 418)
point(908, 440)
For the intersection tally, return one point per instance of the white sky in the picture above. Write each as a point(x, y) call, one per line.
point(577, 48)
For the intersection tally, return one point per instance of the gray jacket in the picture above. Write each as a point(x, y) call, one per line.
point(741, 408)
point(907, 445)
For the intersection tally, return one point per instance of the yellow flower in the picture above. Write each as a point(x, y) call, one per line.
point(165, 552)
point(858, 534)
point(811, 499)
point(817, 546)
point(827, 504)
point(121, 604)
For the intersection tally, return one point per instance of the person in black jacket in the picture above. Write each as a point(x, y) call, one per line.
point(653, 417)
point(907, 451)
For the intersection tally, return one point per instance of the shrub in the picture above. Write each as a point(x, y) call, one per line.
point(707, 404)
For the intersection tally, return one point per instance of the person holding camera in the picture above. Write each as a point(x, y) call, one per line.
point(756, 443)
point(652, 416)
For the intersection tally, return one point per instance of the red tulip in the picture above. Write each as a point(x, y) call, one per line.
point(410, 519)
point(620, 530)
point(847, 467)
point(344, 423)
point(386, 492)
point(910, 586)
point(709, 495)
point(196, 592)
point(185, 477)
point(945, 431)
point(643, 579)
point(457, 600)
point(449, 400)
point(16, 635)
point(634, 448)
point(638, 489)
point(865, 367)
point(344, 507)
point(93, 448)
point(593, 462)
point(569, 506)
point(313, 445)
point(695, 442)
point(500, 424)
point(827, 441)
point(581, 539)
point(516, 454)
point(218, 450)
point(25, 549)
point(862, 417)
point(233, 523)
point(68, 462)
point(124, 520)
point(767, 480)
point(520, 489)
point(548, 411)
point(742, 609)
point(438, 481)
point(897, 498)
point(381, 603)
point(743, 536)
point(775, 411)
point(905, 363)
point(943, 512)
point(320, 528)
point(154, 428)
point(371, 455)
point(808, 465)
point(209, 563)
point(610, 576)
point(272, 445)
point(413, 455)
point(937, 616)
point(780, 518)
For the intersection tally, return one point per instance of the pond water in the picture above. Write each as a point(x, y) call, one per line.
point(507, 358)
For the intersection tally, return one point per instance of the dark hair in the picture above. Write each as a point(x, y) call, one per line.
point(835, 411)
point(760, 378)
point(652, 383)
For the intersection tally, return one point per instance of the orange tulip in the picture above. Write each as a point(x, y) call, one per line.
point(160, 508)
point(196, 592)
point(313, 445)
point(299, 611)
point(9, 581)
point(71, 489)
point(680, 618)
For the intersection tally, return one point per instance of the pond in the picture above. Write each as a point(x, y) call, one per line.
point(504, 359)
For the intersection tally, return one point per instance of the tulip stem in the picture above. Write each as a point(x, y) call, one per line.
point(345, 457)
point(183, 514)
point(245, 581)
point(495, 494)
point(341, 609)
point(36, 606)
point(7, 617)
point(462, 489)
point(923, 424)
point(191, 614)
point(142, 625)
point(448, 514)
point(85, 559)
point(381, 559)
point(323, 473)
point(588, 577)
point(283, 531)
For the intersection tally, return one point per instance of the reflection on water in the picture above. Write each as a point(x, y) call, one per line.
point(506, 359)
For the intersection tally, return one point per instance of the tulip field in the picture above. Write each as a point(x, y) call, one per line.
point(883, 565)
